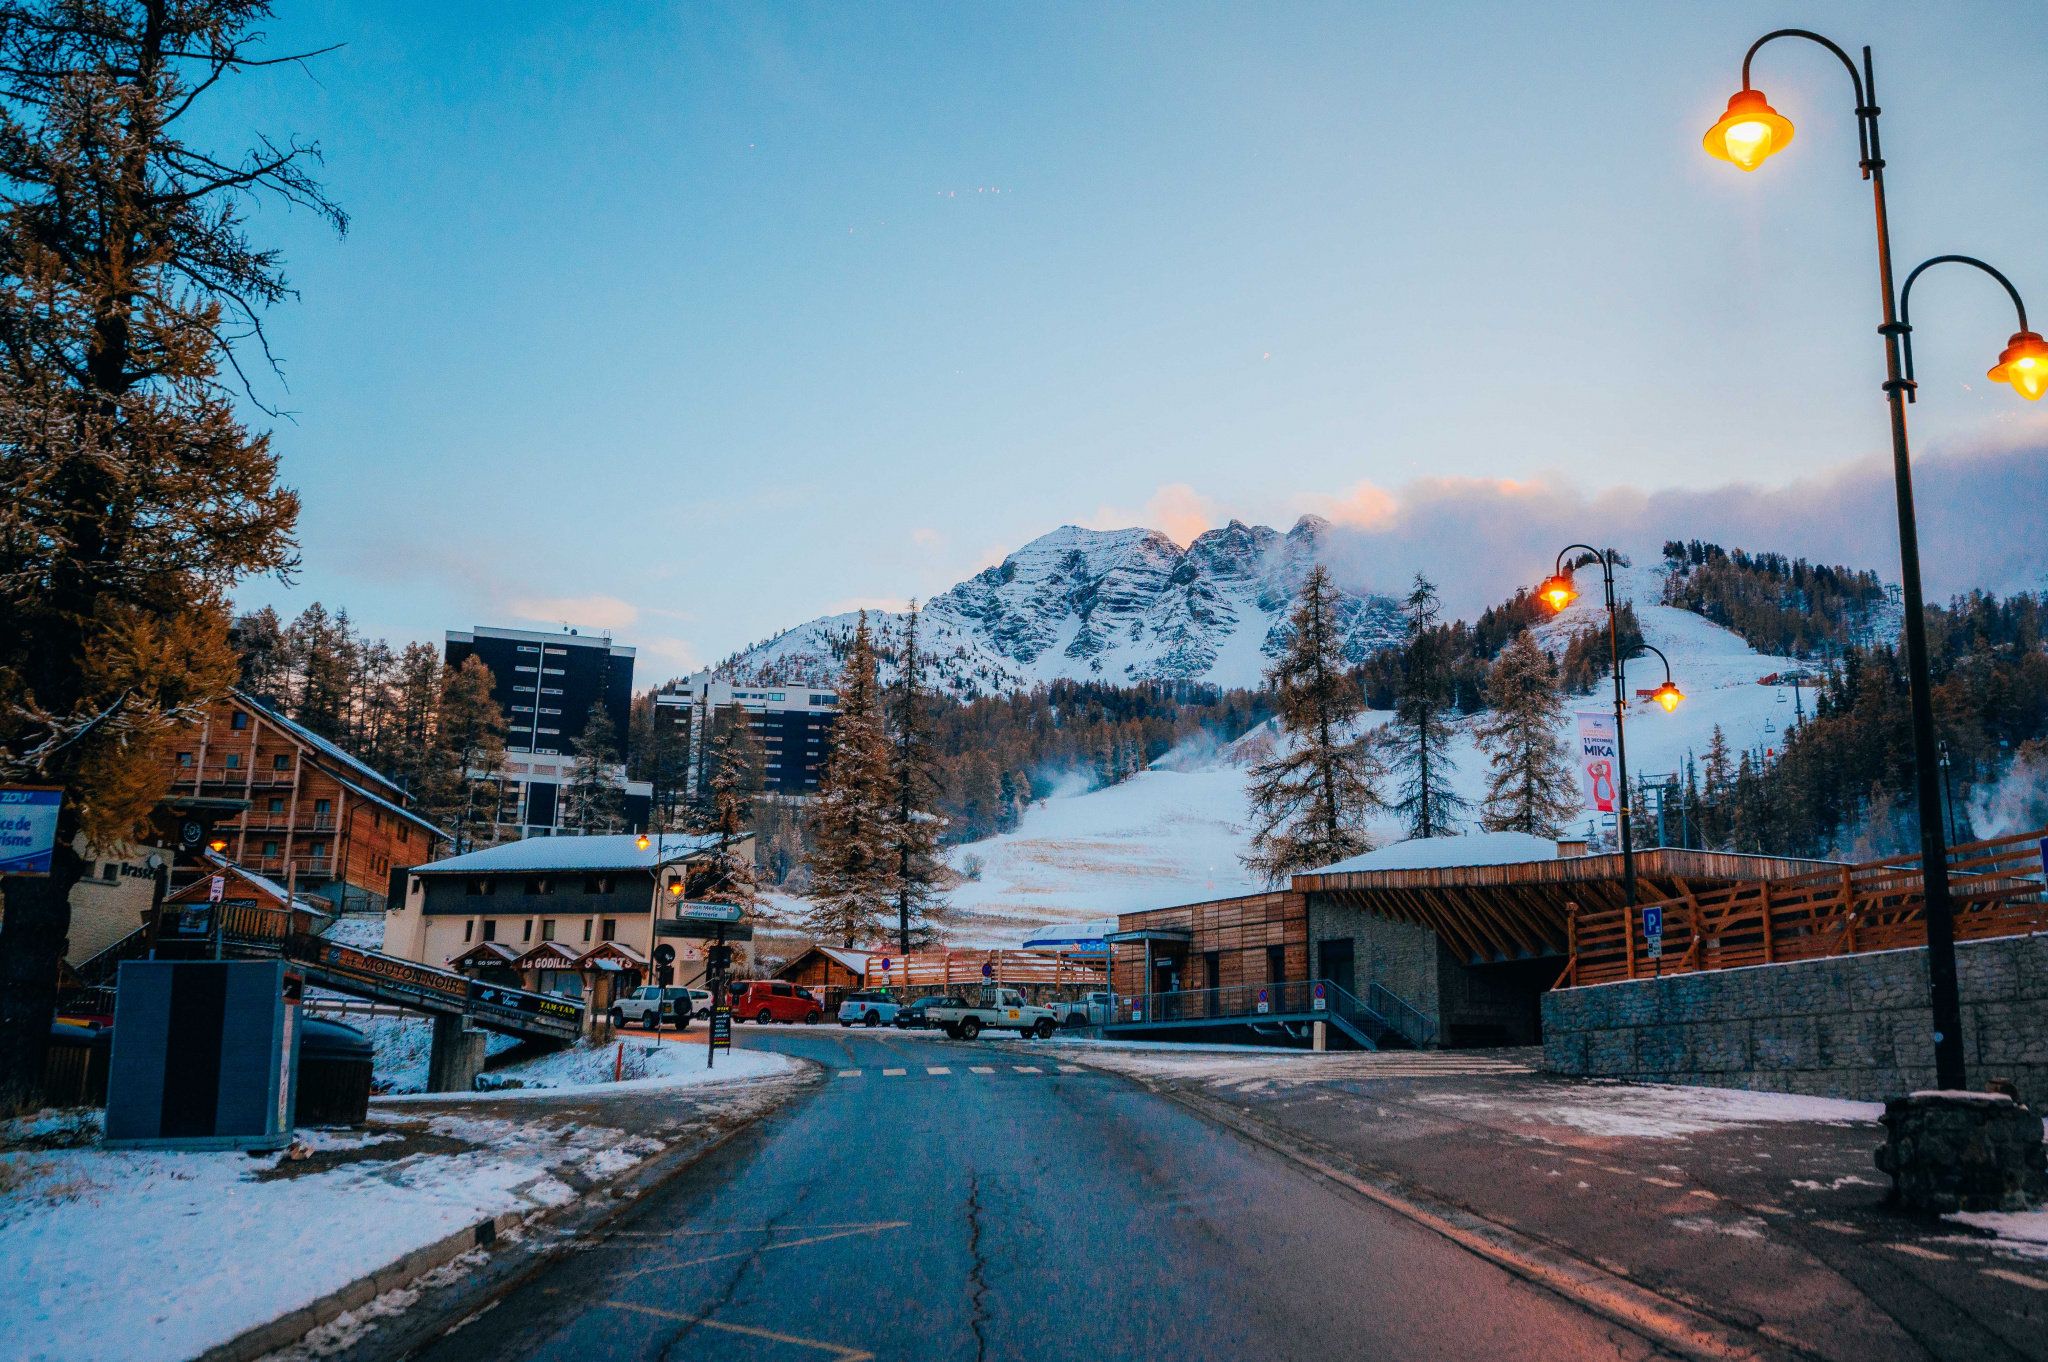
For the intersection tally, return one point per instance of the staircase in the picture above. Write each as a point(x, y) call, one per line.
point(1387, 1022)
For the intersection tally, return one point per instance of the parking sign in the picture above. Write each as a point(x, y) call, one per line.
point(1653, 931)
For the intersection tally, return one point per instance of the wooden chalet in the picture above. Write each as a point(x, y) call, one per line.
point(1224, 943)
point(231, 911)
point(551, 967)
point(829, 972)
point(490, 961)
point(316, 816)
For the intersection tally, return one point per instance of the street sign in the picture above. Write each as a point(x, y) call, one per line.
point(1321, 1003)
point(988, 971)
point(1653, 931)
point(216, 889)
point(721, 1026)
point(1263, 1007)
point(885, 964)
point(664, 954)
point(709, 912)
point(28, 828)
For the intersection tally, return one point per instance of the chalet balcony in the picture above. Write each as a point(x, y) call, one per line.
point(266, 821)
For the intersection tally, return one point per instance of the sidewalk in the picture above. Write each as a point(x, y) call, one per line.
point(1760, 1210)
point(120, 1254)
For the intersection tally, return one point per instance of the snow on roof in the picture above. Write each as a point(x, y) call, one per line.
point(538, 957)
point(612, 948)
point(857, 961)
point(620, 851)
point(397, 811)
point(1053, 936)
point(262, 882)
point(504, 953)
point(1433, 853)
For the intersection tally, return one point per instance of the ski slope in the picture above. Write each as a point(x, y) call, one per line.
point(1173, 836)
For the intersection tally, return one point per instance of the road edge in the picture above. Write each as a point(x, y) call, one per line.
point(608, 1199)
point(1688, 1331)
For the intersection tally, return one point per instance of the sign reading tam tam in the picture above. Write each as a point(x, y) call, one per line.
point(28, 828)
point(1597, 761)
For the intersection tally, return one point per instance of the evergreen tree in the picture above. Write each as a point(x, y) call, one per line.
point(852, 870)
point(1533, 786)
point(1007, 815)
point(1717, 795)
point(1421, 727)
point(465, 787)
point(598, 801)
point(1309, 802)
point(729, 737)
point(415, 701)
point(258, 640)
point(914, 831)
point(132, 498)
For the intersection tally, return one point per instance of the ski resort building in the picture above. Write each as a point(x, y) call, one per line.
point(793, 722)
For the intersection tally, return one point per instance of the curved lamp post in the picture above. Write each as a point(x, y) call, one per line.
point(1747, 134)
point(1557, 593)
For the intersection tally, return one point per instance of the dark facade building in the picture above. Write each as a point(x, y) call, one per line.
point(546, 683)
point(793, 722)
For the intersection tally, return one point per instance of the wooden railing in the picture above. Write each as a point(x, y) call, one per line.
point(1996, 886)
point(947, 968)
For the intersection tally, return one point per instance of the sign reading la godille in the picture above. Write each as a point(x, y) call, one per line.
point(28, 828)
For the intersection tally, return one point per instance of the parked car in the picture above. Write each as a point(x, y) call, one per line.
point(1092, 1010)
point(916, 1017)
point(700, 1002)
point(869, 1007)
point(642, 1005)
point(767, 1000)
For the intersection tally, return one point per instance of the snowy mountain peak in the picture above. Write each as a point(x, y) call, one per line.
point(1119, 606)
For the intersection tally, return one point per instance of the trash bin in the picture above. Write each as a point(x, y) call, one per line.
point(334, 1074)
point(75, 1065)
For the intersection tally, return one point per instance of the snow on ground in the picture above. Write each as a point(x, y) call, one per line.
point(583, 1069)
point(364, 931)
point(1653, 1112)
point(2022, 1233)
point(403, 1046)
point(141, 1255)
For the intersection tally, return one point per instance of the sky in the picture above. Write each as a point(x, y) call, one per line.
point(693, 322)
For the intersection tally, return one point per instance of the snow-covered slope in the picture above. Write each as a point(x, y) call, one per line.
point(1119, 606)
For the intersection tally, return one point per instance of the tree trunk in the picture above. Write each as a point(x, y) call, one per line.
point(32, 942)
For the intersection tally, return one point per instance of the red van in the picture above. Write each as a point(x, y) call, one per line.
point(767, 1000)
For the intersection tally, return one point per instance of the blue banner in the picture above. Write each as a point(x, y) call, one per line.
point(28, 828)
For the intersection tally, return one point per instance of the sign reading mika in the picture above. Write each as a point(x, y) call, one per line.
point(28, 827)
point(1596, 760)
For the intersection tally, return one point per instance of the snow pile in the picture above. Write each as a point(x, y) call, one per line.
point(584, 1069)
point(2024, 1233)
point(403, 1046)
point(1653, 1113)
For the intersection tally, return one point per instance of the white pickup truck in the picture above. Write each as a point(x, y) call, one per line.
point(996, 1009)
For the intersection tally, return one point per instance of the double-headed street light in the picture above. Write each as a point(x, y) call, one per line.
point(1747, 134)
point(1557, 593)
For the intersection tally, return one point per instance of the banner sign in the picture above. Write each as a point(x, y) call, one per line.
point(721, 1026)
point(28, 828)
point(1597, 761)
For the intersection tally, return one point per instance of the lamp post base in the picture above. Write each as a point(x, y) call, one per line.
point(1963, 1151)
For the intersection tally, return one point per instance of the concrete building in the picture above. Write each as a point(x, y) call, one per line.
point(793, 722)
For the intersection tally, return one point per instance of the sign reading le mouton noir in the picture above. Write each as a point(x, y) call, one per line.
point(28, 828)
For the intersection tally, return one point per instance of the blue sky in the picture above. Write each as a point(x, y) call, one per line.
point(695, 322)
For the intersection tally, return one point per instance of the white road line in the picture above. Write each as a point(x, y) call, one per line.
point(977, 1069)
point(1915, 1251)
point(894, 1073)
point(1026, 1069)
point(936, 1069)
point(1662, 1183)
point(2016, 1278)
point(849, 1073)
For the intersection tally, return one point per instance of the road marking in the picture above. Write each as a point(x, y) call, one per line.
point(894, 1073)
point(2016, 1278)
point(849, 1073)
point(1026, 1069)
point(977, 1069)
point(876, 1228)
point(1072, 1069)
point(837, 1350)
point(936, 1069)
point(1837, 1226)
point(1708, 1195)
point(1915, 1251)
point(1663, 1183)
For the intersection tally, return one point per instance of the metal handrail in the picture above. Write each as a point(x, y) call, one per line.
point(1418, 1026)
point(1248, 1002)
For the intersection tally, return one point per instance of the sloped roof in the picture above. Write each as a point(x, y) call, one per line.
point(547, 955)
point(498, 953)
point(603, 948)
point(314, 740)
point(397, 811)
point(613, 851)
point(263, 883)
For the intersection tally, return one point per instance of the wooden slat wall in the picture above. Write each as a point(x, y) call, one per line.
point(1239, 930)
point(1997, 888)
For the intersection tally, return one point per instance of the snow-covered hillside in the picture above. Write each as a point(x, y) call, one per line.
point(1173, 834)
point(1118, 606)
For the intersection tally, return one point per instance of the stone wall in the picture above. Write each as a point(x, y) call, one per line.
point(1391, 954)
point(1855, 1026)
point(1471, 1005)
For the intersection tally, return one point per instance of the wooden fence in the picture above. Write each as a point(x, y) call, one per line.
point(1996, 886)
point(947, 968)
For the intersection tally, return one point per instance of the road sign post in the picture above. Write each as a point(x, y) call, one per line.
point(1653, 935)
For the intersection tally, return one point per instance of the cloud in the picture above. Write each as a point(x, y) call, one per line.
point(927, 539)
point(1362, 504)
point(598, 612)
point(1176, 510)
point(991, 556)
point(681, 652)
point(1982, 516)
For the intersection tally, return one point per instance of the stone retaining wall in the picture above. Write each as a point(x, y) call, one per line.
point(1855, 1026)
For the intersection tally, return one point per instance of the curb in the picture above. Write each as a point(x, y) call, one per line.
point(609, 1198)
point(1689, 1332)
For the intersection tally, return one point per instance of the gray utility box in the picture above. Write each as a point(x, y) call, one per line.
point(205, 1056)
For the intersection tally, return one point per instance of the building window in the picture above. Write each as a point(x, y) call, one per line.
point(611, 928)
point(490, 929)
point(321, 806)
point(234, 761)
point(270, 848)
point(239, 722)
point(598, 884)
point(524, 649)
point(110, 870)
point(586, 929)
point(184, 759)
point(277, 806)
point(1276, 964)
point(281, 762)
point(317, 850)
point(547, 929)
point(468, 926)
point(476, 887)
point(529, 930)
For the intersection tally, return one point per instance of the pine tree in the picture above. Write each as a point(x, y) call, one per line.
point(1717, 796)
point(1532, 786)
point(415, 700)
point(598, 802)
point(1309, 802)
point(853, 874)
point(729, 737)
point(916, 826)
point(132, 498)
point(465, 788)
point(1421, 727)
point(1007, 815)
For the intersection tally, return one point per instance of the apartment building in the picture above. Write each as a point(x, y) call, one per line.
point(793, 722)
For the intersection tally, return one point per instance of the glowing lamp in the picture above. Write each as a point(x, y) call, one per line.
point(675, 889)
point(1750, 131)
point(1557, 593)
point(642, 842)
point(1668, 696)
point(218, 844)
point(2024, 364)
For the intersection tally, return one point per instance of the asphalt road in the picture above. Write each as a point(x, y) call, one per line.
point(983, 1212)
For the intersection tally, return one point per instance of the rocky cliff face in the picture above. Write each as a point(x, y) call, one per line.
point(1118, 606)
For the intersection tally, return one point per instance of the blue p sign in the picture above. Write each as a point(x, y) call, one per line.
point(1653, 931)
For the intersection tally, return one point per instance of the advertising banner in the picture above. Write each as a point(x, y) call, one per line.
point(1597, 761)
point(28, 828)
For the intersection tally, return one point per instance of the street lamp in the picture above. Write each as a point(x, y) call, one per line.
point(1557, 592)
point(1746, 134)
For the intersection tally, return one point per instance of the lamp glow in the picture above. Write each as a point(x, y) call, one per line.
point(1748, 132)
point(218, 844)
point(642, 843)
point(2024, 364)
point(1557, 592)
point(1668, 696)
point(675, 889)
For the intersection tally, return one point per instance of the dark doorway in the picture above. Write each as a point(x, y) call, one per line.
point(1337, 963)
point(1212, 969)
